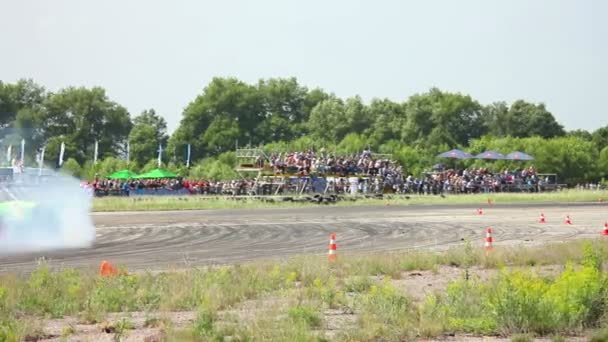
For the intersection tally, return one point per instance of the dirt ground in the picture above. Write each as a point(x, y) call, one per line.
point(416, 284)
point(170, 240)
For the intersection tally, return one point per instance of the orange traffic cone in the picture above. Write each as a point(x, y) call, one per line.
point(605, 231)
point(331, 255)
point(568, 220)
point(489, 201)
point(106, 269)
point(489, 240)
point(542, 218)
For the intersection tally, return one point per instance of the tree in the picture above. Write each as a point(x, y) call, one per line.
point(144, 143)
point(522, 120)
point(388, 120)
point(436, 118)
point(580, 133)
point(84, 116)
point(18, 96)
point(150, 118)
point(600, 137)
point(326, 120)
point(227, 111)
point(284, 105)
point(148, 132)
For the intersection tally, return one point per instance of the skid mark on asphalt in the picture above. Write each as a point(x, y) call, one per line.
point(136, 241)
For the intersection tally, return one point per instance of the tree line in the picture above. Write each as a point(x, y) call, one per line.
point(280, 114)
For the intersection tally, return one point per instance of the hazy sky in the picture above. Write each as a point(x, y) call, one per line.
point(160, 54)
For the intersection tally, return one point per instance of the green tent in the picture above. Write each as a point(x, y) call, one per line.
point(157, 173)
point(122, 174)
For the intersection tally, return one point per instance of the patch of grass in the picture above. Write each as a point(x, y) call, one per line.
point(516, 301)
point(50, 293)
point(522, 338)
point(305, 314)
point(358, 284)
point(599, 336)
point(146, 203)
point(11, 330)
point(386, 313)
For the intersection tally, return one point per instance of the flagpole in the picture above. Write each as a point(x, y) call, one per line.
point(23, 152)
point(160, 153)
point(189, 151)
point(128, 154)
point(41, 162)
point(61, 153)
point(96, 151)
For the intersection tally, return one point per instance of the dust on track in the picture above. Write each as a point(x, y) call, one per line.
point(178, 239)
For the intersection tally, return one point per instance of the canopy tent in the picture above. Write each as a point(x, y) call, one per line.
point(490, 155)
point(518, 156)
point(455, 153)
point(157, 173)
point(122, 174)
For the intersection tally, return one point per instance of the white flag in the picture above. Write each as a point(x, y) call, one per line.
point(188, 160)
point(23, 151)
point(128, 153)
point(41, 161)
point(96, 150)
point(9, 152)
point(160, 154)
point(61, 153)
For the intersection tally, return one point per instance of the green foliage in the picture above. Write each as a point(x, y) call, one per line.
point(523, 302)
point(72, 167)
point(203, 325)
point(50, 293)
point(282, 115)
point(522, 338)
point(305, 314)
point(599, 336)
point(10, 330)
point(385, 312)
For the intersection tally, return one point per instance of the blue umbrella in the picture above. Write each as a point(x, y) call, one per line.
point(490, 155)
point(458, 154)
point(519, 156)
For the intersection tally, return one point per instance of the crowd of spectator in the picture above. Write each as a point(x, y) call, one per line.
point(480, 180)
point(366, 181)
point(309, 162)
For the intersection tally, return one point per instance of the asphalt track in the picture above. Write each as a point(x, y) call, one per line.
point(165, 240)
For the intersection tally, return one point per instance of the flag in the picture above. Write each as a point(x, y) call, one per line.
point(96, 150)
point(160, 154)
point(41, 161)
point(61, 153)
point(23, 151)
point(128, 153)
point(9, 152)
point(188, 160)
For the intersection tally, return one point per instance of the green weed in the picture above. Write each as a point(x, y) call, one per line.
point(305, 314)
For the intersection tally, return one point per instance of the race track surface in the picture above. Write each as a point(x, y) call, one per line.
point(162, 240)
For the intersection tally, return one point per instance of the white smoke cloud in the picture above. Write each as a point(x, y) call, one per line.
point(47, 216)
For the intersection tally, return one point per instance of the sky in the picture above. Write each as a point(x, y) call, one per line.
point(161, 54)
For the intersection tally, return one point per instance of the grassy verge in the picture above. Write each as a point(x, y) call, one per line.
point(517, 300)
point(206, 202)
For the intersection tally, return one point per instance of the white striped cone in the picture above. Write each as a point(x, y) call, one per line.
point(331, 255)
point(489, 240)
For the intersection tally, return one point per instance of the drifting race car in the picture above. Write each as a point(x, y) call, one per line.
point(27, 226)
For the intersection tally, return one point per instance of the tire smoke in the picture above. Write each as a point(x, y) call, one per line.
point(44, 214)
